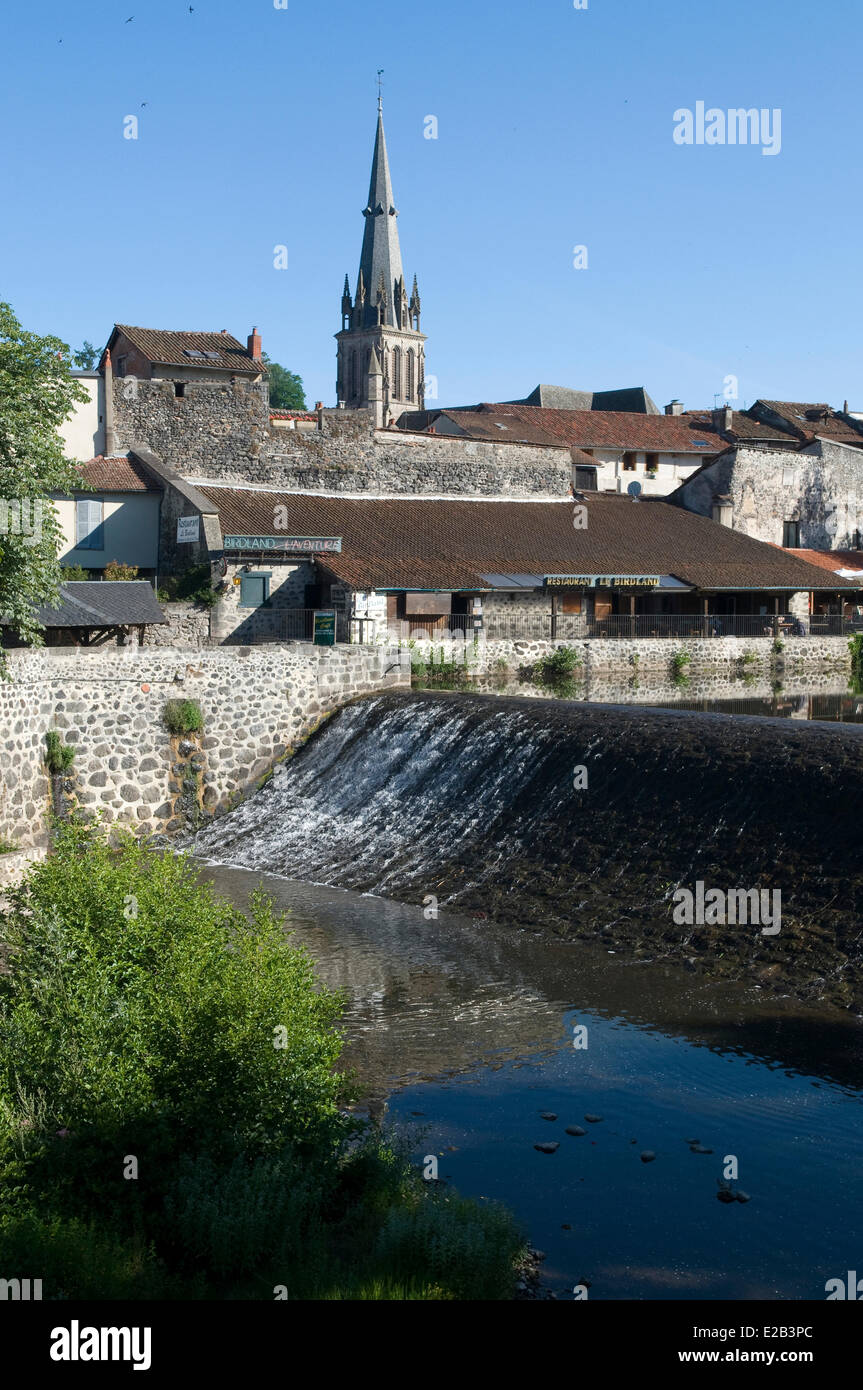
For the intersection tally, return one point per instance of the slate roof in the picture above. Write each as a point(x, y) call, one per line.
point(166, 349)
point(449, 543)
point(103, 603)
point(117, 475)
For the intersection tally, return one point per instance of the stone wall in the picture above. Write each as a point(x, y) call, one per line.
point(349, 455)
point(821, 487)
point(257, 704)
point(723, 656)
point(188, 627)
point(212, 426)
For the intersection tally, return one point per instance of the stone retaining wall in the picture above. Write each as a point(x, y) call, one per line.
point(257, 704)
point(723, 655)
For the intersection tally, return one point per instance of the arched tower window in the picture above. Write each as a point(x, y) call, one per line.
point(411, 375)
point(397, 373)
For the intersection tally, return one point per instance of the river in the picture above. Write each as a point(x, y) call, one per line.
point(462, 1027)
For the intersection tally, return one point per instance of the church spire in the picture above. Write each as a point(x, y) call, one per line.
point(381, 256)
point(381, 351)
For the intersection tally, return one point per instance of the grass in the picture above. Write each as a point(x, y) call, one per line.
point(182, 717)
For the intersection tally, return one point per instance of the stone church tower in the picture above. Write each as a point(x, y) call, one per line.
point(381, 353)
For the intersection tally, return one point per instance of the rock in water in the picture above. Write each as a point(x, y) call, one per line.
point(547, 1115)
point(725, 1196)
point(593, 1119)
point(548, 1148)
point(575, 1130)
point(699, 1149)
point(648, 1156)
point(742, 1196)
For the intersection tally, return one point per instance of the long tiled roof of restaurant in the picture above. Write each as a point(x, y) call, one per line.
point(447, 543)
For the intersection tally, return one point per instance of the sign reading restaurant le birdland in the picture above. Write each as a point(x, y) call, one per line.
point(602, 581)
point(289, 545)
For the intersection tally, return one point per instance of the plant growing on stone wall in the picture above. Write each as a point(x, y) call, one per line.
point(182, 717)
point(7, 847)
point(59, 756)
point(855, 647)
point(680, 664)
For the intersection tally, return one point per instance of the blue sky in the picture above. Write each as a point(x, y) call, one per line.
point(555, 130)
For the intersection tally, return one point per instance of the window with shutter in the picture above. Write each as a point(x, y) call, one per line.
point(254, 590)
point(89, 524)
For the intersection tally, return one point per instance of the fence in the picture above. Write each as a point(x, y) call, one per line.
point(296, 625)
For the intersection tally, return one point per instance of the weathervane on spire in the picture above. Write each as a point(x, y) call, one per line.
point(380, 95)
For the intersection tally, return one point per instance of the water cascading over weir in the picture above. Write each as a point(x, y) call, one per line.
point(581, 820)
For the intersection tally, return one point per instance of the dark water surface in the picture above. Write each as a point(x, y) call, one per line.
point(471, 1024)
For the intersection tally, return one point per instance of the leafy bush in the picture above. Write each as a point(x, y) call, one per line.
point(194, 585)
point(59, 756)
point(73, 573)
point(115, 570)
point(140, 1017)
point(182, 717)
point(156, 1028)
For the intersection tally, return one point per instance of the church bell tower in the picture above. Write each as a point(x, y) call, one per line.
point(381, 351)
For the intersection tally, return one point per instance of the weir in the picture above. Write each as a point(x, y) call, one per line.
point(473, 799)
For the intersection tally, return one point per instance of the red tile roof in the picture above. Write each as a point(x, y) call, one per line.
point(614, 429)
point(831, 559)
point(117, 475)
point(809, 421)
point(449, 544)
point(744, 428)
point(167, 349)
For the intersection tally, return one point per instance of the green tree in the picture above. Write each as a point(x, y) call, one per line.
point(86, 357)
point(286, 388)
point(37, 393)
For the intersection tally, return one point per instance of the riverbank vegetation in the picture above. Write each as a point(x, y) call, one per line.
point(173, 1118)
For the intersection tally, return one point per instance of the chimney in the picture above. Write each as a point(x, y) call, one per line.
point(723, 417)
point(674, 408)
point(254, 345)
point(110, 433)
point(319, 407)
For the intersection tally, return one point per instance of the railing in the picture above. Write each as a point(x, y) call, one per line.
point(297, 625)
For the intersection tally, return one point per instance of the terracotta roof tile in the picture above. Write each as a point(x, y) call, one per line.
point(169, 349)
point(615, 429)
point(449, 544)
point(117, 475)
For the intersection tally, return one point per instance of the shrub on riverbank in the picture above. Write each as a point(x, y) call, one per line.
point(171, 1115)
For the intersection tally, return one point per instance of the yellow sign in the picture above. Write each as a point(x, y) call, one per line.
point(602, 581)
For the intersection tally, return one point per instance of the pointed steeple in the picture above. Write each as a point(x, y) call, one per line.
point(381, 256)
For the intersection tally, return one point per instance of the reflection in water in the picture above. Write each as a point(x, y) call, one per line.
point(464, 1032)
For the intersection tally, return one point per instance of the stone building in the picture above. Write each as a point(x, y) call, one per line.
point(381, 351)
point(809, 497)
